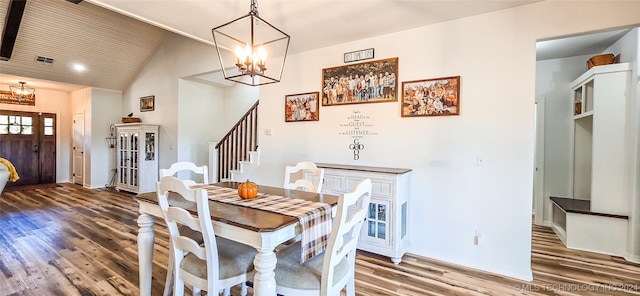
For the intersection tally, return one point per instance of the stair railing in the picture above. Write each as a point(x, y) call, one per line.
point(236, 144)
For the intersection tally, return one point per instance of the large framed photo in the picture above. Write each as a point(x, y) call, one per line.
point(147, 103)
point(369, 82)
point(431, 97)
point(301, 107)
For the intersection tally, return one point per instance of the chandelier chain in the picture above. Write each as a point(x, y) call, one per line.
point(254, 7)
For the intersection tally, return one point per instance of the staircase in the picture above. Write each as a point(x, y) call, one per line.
point(237, 154)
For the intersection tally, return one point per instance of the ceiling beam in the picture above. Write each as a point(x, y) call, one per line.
point(11, 26)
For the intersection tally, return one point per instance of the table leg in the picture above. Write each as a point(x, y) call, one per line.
point(145, 252)
point(264, 281)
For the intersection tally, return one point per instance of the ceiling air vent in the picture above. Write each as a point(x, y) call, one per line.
point(44, 60)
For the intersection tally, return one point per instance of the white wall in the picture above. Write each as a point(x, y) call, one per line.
point(451, 197)
point(206, 113)
point(59, 103)
point(553, 79)
point(200, 114)
point(100, 108)
point(629, 49)
point(237, 101)
point(175, 58)
point(106, 106)
point(190, 114)
point(633, 246)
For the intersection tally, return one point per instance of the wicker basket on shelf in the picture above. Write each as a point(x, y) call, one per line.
point(130, 119)
point(601, 59)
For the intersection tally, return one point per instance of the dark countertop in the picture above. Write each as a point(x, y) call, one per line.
point(363, 168)
point(580, 206)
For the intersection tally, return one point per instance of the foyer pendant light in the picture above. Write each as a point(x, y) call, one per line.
point(22, 92)
point(251, 51)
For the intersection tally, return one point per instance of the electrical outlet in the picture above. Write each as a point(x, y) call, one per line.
point(267, 131)
point(476, 238)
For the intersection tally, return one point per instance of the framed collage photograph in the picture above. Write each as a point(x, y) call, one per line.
point(368, 82)
point(431, 97)
point(147, 103)
point(301, 107)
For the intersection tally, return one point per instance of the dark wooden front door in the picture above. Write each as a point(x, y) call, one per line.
point(28, 141)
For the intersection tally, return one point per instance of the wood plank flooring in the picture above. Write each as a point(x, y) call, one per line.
point(71, 240)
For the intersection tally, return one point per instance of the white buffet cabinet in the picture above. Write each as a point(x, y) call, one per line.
point(137, 157)
point(385, 230)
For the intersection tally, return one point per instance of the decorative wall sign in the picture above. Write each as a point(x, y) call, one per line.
point(357, 127)
point(431, 97)
point(7, 98)
point(147, 103)
point(368, 82)
point(356, 147)
point(358, 55)
point(301, 107)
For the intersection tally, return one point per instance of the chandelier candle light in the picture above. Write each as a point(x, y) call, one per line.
point(251, 63)
point(21, 92)
point(242, 46)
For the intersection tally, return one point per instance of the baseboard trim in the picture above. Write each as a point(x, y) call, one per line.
point(632, 258)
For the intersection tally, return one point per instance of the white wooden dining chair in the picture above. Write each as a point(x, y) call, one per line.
point(301, 183)
point(328, 273)
point(183, 166)
point(180, 168)
point(216, 265)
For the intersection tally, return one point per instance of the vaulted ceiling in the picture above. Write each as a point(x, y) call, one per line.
point(114, 38)
point(110, 45)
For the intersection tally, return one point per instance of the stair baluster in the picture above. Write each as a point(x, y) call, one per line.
point(237, 143)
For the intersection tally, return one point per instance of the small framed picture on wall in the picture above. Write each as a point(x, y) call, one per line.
point(302, 107)
point(147, 103)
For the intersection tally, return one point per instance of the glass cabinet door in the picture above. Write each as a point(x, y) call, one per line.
point(128, 143)
point(150, 146)
point(123, 171)
point(377, 227)
point(133, 158)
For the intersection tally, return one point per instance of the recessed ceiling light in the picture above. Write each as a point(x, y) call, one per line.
point(79, 67)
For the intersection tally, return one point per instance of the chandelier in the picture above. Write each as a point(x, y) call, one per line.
point(21, 92)
point(251, 51)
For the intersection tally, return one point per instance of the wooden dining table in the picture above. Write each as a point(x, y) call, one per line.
point(263, 230)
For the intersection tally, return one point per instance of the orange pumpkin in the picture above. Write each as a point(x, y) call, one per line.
point(247, 190)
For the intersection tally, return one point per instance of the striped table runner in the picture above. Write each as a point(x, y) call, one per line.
point(314, 217)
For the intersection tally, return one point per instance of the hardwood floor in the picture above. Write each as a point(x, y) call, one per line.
point(74, 241)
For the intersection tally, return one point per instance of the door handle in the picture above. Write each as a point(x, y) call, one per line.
point(36, 148)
